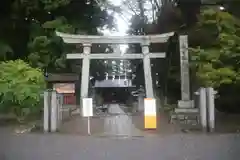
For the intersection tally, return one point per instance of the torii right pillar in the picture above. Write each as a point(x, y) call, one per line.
point(185, 104)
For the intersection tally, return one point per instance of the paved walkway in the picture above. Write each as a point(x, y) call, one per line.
point(121, 124)
point(116, 123)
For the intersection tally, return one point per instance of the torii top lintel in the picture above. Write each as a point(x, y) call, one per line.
point(90, 39)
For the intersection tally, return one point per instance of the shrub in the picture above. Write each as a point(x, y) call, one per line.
point(20, 88)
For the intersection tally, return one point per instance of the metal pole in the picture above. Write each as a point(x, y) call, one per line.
point(46, 112)
point(211, 109)
point(89, 130)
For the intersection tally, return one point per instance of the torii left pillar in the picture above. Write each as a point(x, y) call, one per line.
point(85, 71)
point(147, 71)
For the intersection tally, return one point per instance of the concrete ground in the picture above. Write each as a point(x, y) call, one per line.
point(71, 147)
point(118, 123)
point(118, 136)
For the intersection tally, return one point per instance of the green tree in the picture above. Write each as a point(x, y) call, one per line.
point(217, 61)
point(21, 88)
point(28, 28)
point(216, 56)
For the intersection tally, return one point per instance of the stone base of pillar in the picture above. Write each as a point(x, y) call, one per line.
point(185, 104)
point(186, 110)
point(186, 116)
point(186, 107)
point(186, 113)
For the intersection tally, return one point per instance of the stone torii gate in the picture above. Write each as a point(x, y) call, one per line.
point(144, 41)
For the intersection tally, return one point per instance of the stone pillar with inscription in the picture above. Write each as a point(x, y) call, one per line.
point(185, 104)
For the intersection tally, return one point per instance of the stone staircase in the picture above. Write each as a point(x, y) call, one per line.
point(187, 119)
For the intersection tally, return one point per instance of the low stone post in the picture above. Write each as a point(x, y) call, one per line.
point(59, 110)
point(203, 108)
point(141, 96)
point(141, 102)
point(46, 113)
point(211, 108)
point(54, 112)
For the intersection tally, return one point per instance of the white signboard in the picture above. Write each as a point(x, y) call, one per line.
point(87, 109)
point(150, 107)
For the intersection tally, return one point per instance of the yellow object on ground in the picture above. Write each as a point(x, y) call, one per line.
point(150, 114)
point(150, 122)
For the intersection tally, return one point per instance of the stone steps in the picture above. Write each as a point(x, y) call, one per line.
point(187, 120)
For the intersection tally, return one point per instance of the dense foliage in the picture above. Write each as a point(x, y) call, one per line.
point(27, 32)
point(21, 88)
point(216, 57)
point(214, 40)
point(27, 29)
point(217, 60)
